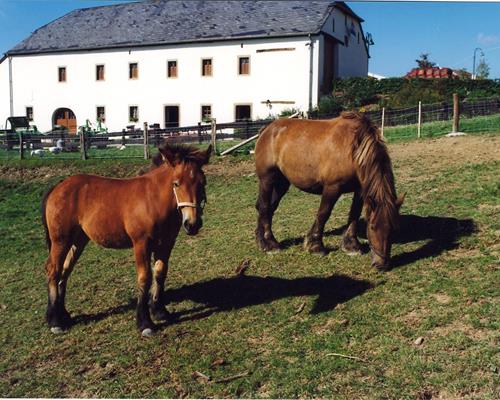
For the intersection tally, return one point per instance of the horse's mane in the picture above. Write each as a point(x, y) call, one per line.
point(374, 168)
point(182, 153)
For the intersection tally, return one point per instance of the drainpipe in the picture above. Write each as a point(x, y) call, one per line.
point(311, 45)
point(11, 88)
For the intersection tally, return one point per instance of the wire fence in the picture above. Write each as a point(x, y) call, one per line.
point(475, 116)
point(425, 120)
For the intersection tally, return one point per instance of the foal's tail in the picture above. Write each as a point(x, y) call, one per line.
point(44, 216)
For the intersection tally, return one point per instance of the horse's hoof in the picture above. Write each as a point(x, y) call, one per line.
point(56, 330)
point(148, 332)
point(382, 268)
point(316, 249)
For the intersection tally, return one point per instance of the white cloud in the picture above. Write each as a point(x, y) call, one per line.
point(487, 40)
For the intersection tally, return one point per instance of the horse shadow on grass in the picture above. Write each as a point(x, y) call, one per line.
point(232, 293)
point(225, 294)
point(440, 233)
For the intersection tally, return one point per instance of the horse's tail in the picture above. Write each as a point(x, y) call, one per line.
point(44, 216)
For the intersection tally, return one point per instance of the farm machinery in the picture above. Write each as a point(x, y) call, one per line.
point(17, 126)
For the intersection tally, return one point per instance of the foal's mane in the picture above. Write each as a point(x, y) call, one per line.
point(182, 153)
point(374, 168)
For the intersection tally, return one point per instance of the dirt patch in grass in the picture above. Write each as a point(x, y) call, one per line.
point(458, 326)
point(435, 154)
point(443, 153)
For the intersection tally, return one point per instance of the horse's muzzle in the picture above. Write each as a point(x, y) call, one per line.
point(381, 265)
point(192, 229)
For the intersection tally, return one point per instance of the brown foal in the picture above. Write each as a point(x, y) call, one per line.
point(144, 212)
point(332, 157)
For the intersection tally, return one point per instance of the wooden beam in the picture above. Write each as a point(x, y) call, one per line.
point(231, 149)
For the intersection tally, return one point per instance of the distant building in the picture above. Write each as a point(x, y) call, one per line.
point(180, 62)
point(376, 76)
point(437, 73)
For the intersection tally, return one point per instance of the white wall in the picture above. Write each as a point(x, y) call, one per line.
point(4, 92)
point(353, 59)
point(277, 76)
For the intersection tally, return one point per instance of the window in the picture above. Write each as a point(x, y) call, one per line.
point(99, 72)
point(133, 113)
point(243, 112)
point(346, 41)
point(333, 24)
point(29, 113)
point(206, 67)
point(206, 113)
point(244, 65)
point(172, 69)
point(61, 74)
point(172, 116)
point(133, 71)
point(100, 114)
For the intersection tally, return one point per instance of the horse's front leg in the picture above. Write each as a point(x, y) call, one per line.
point(160, 270)
point(350, 242)
point(314, 238)
point(143, 264)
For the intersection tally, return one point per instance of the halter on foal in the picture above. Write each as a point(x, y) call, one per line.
point(144, 212)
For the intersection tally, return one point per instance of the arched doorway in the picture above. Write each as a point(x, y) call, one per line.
point(64, 117)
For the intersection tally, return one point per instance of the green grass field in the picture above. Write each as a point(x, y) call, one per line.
point(271, 333)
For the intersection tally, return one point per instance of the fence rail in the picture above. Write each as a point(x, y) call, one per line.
point(128, 143)
point(426, 120)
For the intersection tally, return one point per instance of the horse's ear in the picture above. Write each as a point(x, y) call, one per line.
point(168, 155)
point(400, 200)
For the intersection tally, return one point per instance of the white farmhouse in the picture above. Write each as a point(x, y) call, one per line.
point(176, 63)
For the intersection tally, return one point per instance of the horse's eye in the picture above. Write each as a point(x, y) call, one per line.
point(176, 183)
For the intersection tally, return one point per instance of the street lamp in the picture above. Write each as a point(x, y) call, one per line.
point(474, 61)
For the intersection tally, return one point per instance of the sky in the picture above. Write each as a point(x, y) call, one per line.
point(448, 31)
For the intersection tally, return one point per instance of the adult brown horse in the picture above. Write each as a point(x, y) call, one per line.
point(144, 212)
point(345, 154)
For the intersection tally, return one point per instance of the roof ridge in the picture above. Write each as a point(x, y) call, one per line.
point(168, 22)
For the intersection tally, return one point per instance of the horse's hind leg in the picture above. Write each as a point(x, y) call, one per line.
point(314, 238)
point(142, 254)
point(54, 265)
point(272, 187)
point(79, 242)
point(350, 242)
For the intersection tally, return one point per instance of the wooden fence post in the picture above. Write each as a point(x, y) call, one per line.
point(83, 146)
point(419, 127)
point(21, 146)
point(213, 135)
point(146, 141)
point(456, 113)
point(383, 122)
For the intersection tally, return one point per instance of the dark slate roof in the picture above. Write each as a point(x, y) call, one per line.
point(172, 21)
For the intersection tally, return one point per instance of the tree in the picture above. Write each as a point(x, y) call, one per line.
point(482, 69)
point(424, 62)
